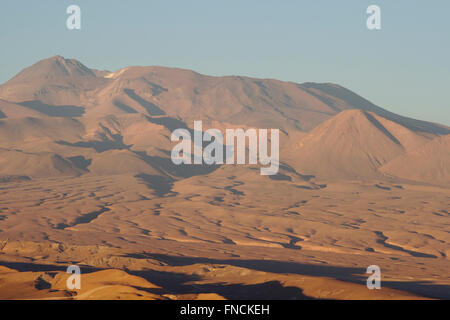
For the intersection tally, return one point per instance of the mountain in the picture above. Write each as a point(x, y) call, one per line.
point(353, 144)
point(120, 122)
point(187, 95)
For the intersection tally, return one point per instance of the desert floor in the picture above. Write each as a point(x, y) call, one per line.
point(231, 234)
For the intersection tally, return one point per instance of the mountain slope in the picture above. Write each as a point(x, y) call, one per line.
point(429, 163)
point(352, 145)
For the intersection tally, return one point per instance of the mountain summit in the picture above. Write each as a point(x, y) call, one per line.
point(54, 81)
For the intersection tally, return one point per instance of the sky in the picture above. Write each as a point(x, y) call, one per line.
point(404, 67)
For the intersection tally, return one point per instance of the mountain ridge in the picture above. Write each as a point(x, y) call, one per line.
point(287, 104)
point(62, 107)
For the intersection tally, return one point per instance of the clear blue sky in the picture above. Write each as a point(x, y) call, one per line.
point(405, 67)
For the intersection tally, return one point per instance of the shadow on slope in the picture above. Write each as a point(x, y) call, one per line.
point(123, 107)
point(182, 170)
point(354, 275)
point(179, 283)
point(151, 108)
point(54, 111)
point(99, 146)
point(159, 184)
point(80, 162)
point(108, 141)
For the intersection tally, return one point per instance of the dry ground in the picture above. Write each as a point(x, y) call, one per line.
point(224, 235)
